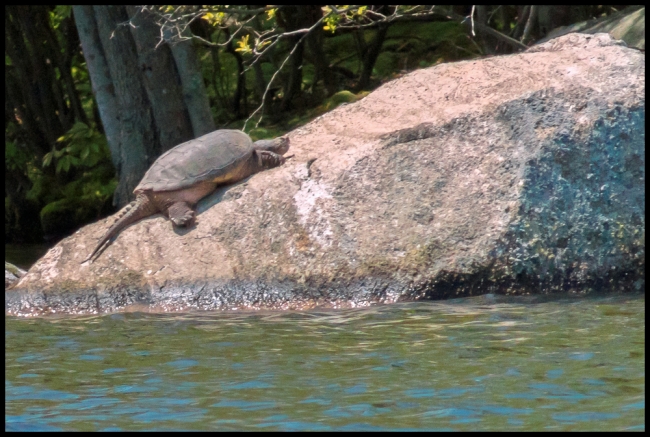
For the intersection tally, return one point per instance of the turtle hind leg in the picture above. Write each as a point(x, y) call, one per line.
point(181, 214)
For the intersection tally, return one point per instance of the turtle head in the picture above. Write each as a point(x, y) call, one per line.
point(278, 145)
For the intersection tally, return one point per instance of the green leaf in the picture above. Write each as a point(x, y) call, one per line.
point(63, 11)
point(47, 159)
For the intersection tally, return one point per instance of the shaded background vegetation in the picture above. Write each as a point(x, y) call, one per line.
point(93, 95)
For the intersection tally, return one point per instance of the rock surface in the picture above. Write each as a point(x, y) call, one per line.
point(12, 274)
point(514, 174)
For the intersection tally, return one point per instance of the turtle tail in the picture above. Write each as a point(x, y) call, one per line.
point(140, 208)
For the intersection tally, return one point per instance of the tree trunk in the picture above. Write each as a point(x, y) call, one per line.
point(100, 77)
point(34, 75)
point(293, 18)
point(137, 141)
point(315, 43)
point(36, 140)
point(160, 80)
point(260, 85)
point(240, 90)
point(194, 92)
point(67, 54)
point(522, 17)
point(370, 56)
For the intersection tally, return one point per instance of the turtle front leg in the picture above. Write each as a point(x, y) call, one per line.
point(181, 214)
point(266, 159)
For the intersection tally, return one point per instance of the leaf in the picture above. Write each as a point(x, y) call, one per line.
point(270, 14)
point(259, 45)
point(331, 19)
point(92, 160)
point(244, 47)
point(10, 149)
point(79, 127)
point(214, 19)
point(47, 159)
point(208, 17)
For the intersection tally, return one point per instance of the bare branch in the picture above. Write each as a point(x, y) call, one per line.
point(513, 42)
point(268, 87)
point(471, 16)
point(529, 24)
point(175, 27)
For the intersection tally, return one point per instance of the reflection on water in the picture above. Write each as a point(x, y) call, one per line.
point(487, 363)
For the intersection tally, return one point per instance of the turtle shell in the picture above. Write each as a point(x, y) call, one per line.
point(197, 160)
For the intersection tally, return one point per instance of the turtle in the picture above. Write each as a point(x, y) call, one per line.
point(185, 174)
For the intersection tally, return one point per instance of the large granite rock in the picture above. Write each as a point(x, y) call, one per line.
point(513, 174)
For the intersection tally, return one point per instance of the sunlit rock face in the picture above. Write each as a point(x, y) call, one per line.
point(513, 174)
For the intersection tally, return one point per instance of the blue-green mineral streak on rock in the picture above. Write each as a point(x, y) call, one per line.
point(582, 208)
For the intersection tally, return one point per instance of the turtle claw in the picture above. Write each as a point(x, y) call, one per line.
point(184, 220)
point(268, 159)
point(181, 214)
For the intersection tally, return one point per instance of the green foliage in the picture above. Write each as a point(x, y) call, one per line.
point(343, 13)
point(16, 158)
point(44, 187)
point(66, 206)
point(83, 147)
point(339, 98)
point(60, 13)
point(67, 214)
point(331, 20)
point(409, 47)
point(266, 133)
point(79, 202)
point(215, 19)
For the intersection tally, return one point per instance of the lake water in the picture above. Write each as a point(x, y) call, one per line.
point(487, 363)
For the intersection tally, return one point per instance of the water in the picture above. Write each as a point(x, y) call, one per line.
point(488, 363)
